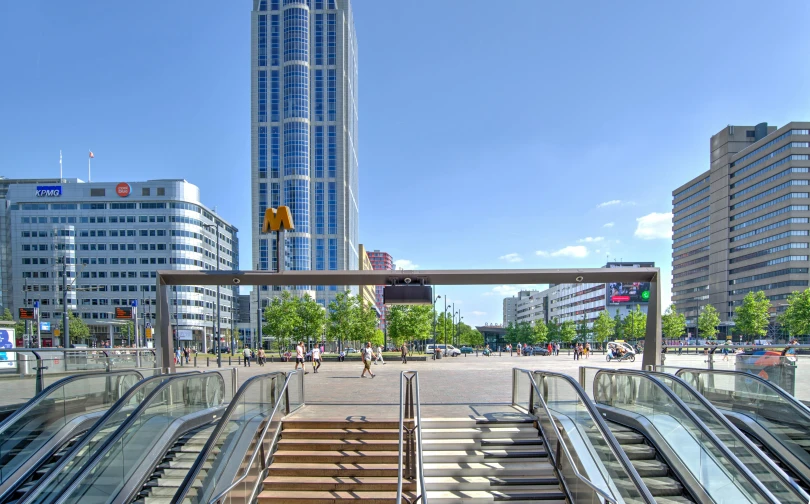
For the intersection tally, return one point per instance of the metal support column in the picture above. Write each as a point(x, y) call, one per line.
point(164, 343)
point(652, 340)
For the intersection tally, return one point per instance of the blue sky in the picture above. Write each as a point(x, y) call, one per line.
point(489, 131)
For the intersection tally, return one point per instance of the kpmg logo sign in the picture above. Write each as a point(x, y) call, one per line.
point(49, 191)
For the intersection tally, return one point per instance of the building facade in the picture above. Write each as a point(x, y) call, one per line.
point(380, 261)
point(109, 240)
point(368, 292)
point(509, 311)
point(526, 306)
point(743, 224)
point(304, 134)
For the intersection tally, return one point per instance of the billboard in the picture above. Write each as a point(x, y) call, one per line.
point(619, 293)
point(123, 312)
point(184, 334)
point(7, 340)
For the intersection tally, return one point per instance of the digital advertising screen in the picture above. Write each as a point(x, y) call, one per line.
point(7, 341)
point(619, 293)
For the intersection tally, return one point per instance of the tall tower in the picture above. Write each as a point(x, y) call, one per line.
point(304, 133)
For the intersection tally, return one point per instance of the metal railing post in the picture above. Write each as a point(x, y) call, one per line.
point(234, 379)
point(40, 382)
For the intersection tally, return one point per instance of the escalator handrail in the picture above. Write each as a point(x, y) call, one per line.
point(782, 393)
point(739, 436)
point(124, 427)
point(607, 434)
point(704, 430)
point(25, 408)
point(210, 444)
point(579, 475)
point(257, 450)
point(98, 426)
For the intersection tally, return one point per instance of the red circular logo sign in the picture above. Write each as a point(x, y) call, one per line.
point(122, 189)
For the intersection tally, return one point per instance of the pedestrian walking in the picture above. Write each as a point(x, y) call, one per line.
point(260, 356)
point(299, 357)
point(379, 356)
point(368, 355)
point(509, 346)
point(680, 347)
point(185, 353)
point(519, 349)
point(404, 351)
point(587, 350)
point(556, 349)
point(316, 359)
point(246, 354)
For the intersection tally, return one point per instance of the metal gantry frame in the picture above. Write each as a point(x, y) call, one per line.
point(166, 278)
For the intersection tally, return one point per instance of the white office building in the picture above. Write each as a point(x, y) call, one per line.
point(109, 239)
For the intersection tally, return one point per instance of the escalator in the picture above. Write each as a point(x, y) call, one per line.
point(774, 420)
point(702, 463)
point(39, 434)
point(113, 460)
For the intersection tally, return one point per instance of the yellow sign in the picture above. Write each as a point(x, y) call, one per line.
point(56, 332)
point(149, 332)
point(274, 219)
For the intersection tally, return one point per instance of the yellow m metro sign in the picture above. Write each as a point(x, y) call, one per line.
point(275, 219)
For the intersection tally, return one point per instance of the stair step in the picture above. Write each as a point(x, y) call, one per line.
point(536, 469)
point(303, 497)
point(335, 483)
point(480, 433)
point(337, 457)
point(553, 494)
point(512, 442)
point(467, 422)
point(456, 483)
point(337, 444)
point(366, 434)
point(628, 437)
point(647, 468)
point(340, 423)
point(634, 451)
point(481, 455)
point(326, 469)
point(482, 444)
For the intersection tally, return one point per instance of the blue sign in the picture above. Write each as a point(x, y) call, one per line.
point(44, 326)
point(36, 304)
point(7, 341)
point(134, 303)
point(49, 191)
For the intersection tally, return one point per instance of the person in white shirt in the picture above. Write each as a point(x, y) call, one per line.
point(379, 356)
point(299, 357)
point(368, 355)
point(316, 359)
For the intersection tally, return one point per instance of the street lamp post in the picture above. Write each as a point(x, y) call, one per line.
point(434, 318)
point(219, 333)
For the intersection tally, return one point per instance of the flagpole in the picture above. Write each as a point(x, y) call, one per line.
point(60, 166)
point(89, 157)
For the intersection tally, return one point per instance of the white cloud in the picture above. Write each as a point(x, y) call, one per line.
point(478, 313)
point(591, 239)
point(512, 258)
point(609, 203)
point(577, 251)
point(508, 290)
point(542, 253)
point(654, 226)
point(608, 225)
point(405, 264)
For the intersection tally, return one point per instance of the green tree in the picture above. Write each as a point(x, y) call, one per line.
point(470, 336)
point(708, 320)
point(553, 330)
point(796, 319)
point(568, 331)
point(311, 318)
point(753, 316)
point(540, 333)
point(282, 320)
point(378, 339)
point(364, 321)
point(673, 324)
point(341, 311)
point(127, 331)
point(582, 331)
point(519, 333)
point(635, 324)
point(78, 329)
point(7, 316)
point(618, 328)
point(603, 327)
point(444, 328)
point(409, 323)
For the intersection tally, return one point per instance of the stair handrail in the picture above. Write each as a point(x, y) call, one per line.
point(782, 393)
point(561, 446)
point(740, 437)
point(284, 394)
point(704, 430)
point(606, 433)
point(409, 405)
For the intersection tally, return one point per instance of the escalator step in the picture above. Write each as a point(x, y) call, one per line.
point(664, 486)
point(650, 468)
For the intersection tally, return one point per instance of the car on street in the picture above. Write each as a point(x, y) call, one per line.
point(539, 350)
point(466, 349)
point(447, 350)
point(351, 350)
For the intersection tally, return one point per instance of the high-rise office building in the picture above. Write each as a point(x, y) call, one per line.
point(304, 133)
point(743, 225)
point(380, 261)
point(109, 239)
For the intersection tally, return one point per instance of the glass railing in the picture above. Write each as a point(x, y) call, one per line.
point(585, 428)
point(244, 425)
point(57, 480)
point(31, 427)
point(572, 470)
point(773, 478)
point(410, 461)
point(246, 485)
point(118, 458)
point(698, 450)
point(786, 419)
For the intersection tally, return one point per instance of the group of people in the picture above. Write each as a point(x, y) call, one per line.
point(260, 356)
point(581, 350)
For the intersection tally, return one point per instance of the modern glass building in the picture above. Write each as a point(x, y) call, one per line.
point(381, 261)
point(304, 133)
point(110, 239)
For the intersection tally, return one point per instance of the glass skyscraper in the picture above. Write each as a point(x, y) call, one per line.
point(304, 133)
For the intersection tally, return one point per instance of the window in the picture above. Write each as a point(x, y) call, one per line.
point(161, 191)
point(146, 191)
point(97, 192)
